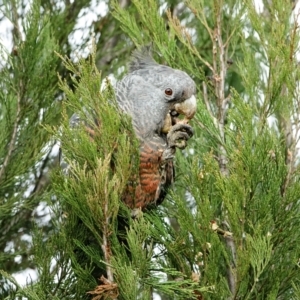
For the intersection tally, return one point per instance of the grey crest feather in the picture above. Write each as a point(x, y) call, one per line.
point(141, 59)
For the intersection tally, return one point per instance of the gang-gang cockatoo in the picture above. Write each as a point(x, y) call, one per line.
point(154, 96)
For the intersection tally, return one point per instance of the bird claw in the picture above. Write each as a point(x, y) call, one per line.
point(179, 135)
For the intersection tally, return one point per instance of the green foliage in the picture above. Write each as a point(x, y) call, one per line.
point(26, 93)
point(229, 229)
point(28, 87)
point(255, 200)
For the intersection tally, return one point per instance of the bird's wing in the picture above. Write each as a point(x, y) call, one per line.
point(143, 102)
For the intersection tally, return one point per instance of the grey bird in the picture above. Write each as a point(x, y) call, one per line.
point(153, 95)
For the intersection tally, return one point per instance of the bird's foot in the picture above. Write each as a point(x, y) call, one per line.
point(179, 135)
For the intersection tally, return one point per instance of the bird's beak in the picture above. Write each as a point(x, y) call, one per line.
point(186, 108)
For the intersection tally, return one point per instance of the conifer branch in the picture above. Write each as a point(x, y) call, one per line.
point(42, 179)
point(220, 71)
point(285, 122)
point(108, 55)
point(13, 138)
point(219, 59)
point(105, 246)
point(107, 289)
point(206, 101)
point(17, 36)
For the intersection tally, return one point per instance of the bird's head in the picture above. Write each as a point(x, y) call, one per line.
point(178, 88)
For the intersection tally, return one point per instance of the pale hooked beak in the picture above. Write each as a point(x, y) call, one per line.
point(186, 108)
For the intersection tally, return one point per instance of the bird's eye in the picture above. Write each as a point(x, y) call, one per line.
point(168, 92)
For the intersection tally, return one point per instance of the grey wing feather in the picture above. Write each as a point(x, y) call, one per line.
point(143, 102)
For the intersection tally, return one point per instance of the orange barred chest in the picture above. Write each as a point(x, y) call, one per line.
point(147, 188)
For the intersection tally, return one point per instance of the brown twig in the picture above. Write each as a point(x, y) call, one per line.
point(106, 245)
point(107, 53)
point(17, 36)
point(107, 290)
point(13, 138)
point(286, 123)
point(219, 76)
point(206, 101)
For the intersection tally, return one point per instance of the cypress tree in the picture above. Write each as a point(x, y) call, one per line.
point(229, 228)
